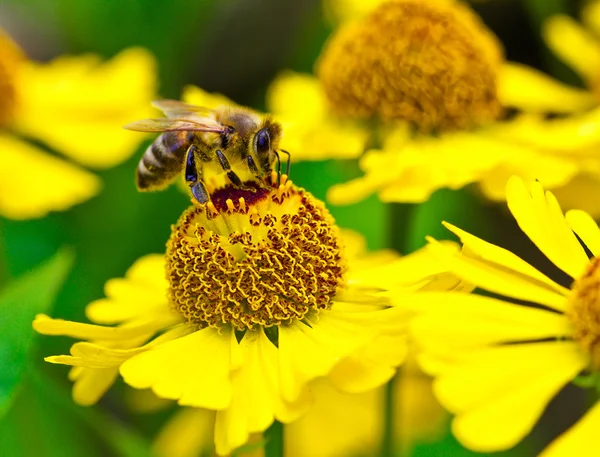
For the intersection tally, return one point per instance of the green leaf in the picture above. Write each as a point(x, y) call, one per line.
point(20, 301)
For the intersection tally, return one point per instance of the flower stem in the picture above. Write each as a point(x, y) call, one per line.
point(274, 440)
point(389, 441)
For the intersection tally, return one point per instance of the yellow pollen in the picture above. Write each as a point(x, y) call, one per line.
point(270, 259)
point(10, 58)
point(584, 311)
point(432, 63)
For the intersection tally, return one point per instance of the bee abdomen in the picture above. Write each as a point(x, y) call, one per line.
point(162, 161)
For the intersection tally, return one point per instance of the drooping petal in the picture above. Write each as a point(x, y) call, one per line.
point(506, 282)
point(456, 321)
point(540, 217)
point(306, 353)
point(499, 393)
point(90, 384)
point(580, 439)
point(586, 229)
point(188, 433)
point(532, 91)
point(193, 369)
point(256, 399)
point(33, 182)
point(78, 105)
point(574, 45)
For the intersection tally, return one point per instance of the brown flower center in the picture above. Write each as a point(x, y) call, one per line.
point(430, 62)
point(260, 257)
point(584, 311)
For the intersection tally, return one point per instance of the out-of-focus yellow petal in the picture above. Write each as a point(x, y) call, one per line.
point(590, 15)
point(528, 89)
point(454, 322)
point(298, 97)
point(344, 10)
point(540, 217)
point(574, 45)
point(580, 439)
point(78, 105)
point(581, 193)
point(92, 383)
point(187, 434)
point(586, 228)
point(33, 183)
point(499, 393)
point(196, 96)
point(332, 427)
point(193, 370)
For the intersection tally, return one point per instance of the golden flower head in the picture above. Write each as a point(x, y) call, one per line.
point(432, 63)
point(584, 311)
point(256, 257)
point(10, 57)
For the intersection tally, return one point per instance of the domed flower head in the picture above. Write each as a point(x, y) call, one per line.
point(75, 106)
point(499, 361)
point(253, 300)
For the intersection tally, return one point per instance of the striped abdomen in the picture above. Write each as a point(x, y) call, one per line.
point(163, 160)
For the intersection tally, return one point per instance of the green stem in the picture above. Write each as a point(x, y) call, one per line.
point(274, 440)
point(389, 442)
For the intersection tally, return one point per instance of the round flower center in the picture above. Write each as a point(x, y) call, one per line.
point(254, 257)
point(430, 62)
point(10, 57)
point(584, 311)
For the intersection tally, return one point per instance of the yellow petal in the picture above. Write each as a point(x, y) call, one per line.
point(92, 383)
point(187, 433)
point(498, 394)
point(143, 290)
point(307, 352)
point(196, 96)
point(497, 279)
point(590, 15)
point(256, 400)
point(586, 229)
point(48, 326)
point(371, 366)
point(528, 89)
point(501, 258)
point(540, 217)
point(456, 321)
point(193, 369)
point(78, 105)
point(331, 428)
point(580, 439)
point(574, 45)
point(580, 193)
point(33, 182)
point(297, 97)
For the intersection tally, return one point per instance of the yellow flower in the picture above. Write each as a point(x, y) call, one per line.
point(338, 424)
point(74, 105)
point(258, 302)
point(498, 362)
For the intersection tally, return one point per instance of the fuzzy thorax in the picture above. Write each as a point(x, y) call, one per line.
point(254, 257)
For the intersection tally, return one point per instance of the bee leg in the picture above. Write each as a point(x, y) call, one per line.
point(235, 179)
point(197, 187)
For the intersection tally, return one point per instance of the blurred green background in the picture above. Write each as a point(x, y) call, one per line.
point(235, 47)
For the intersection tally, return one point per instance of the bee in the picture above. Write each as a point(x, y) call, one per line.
point(230, 141)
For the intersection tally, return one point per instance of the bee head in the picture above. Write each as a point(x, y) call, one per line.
point(266, 138)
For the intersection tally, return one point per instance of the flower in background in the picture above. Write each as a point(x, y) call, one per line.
point(258, 302)
point(75, 106)
point(498, 362)
point(432, 114)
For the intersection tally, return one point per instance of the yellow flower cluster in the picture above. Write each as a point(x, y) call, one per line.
point(262, 310)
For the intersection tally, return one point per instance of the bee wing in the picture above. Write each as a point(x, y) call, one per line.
point(177, 109)
point(200, 124)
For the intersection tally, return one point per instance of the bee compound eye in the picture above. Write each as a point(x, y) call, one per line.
point(263, 141)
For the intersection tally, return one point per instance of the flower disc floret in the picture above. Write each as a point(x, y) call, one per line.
point(430, 62)
point(584, 311)
point(268, 259)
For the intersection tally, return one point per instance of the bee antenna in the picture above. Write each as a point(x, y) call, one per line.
point(289, 158)
point(278, 167)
